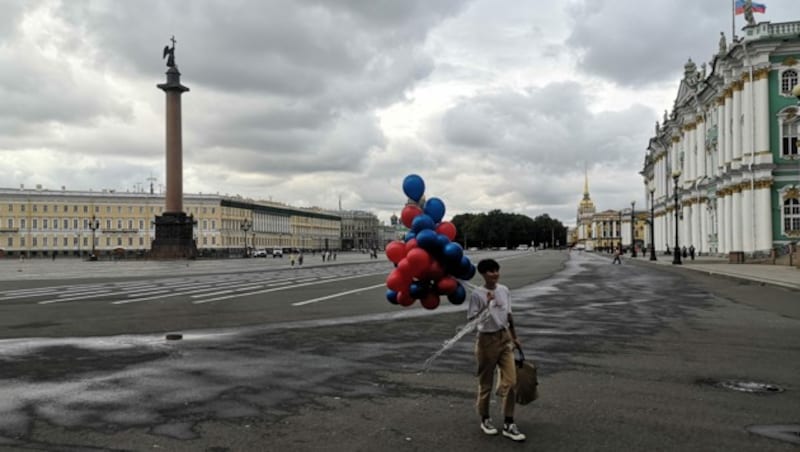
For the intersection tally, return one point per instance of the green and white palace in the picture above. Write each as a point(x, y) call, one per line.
point(730, 148)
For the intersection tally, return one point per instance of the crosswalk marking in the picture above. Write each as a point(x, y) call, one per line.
point(336, 295)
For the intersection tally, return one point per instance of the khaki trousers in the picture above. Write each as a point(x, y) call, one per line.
point(495, 350)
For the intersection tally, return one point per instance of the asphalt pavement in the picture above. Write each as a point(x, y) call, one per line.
point(631, 357)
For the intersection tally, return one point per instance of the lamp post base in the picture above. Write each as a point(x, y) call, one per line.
point(174, 237)
point(676, 256)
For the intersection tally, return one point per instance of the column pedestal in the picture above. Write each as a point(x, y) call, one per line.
point(174, 237)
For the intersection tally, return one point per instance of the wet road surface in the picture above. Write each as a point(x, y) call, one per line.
point(622, 352)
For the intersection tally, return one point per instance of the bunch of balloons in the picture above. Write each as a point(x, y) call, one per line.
point(428, 264)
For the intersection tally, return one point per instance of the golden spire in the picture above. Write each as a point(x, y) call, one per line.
point(585, 184)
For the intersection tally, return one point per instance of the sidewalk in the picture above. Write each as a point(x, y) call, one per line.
point(777, 275)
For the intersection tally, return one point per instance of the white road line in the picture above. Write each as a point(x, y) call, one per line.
point(275, 289)
point(103, 294)
point(328, 297)
point(220, 292)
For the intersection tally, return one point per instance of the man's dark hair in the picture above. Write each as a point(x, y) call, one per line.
point(487, 265)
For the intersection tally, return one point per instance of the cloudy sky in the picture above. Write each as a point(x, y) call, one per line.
point(497, 104)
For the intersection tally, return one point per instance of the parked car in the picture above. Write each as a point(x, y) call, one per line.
point(260, 253)
point(277, 252)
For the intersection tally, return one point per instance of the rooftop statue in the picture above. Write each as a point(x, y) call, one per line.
point(169, 53)
point(723, 45)
point(748, 12)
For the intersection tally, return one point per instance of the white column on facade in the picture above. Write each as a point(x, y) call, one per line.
point(700, 150)
point(696, 225)
point(728, 132)
point(688, 153)
point(747, 122)
point(748, 222)
point(736, 221)
point(725, 222)
point(736, 127)
point(763, 218)
point(761, 87)
point(721, 136)
point(703, 242)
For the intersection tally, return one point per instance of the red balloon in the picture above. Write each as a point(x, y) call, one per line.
point(446, 286)
point(404, 298)
point(404, 267)
point(410, 211)
point(447, 229)
point(395, 251)
point(419, 261)
point(410, 245)
point(398, 281)
point(429, 301)
point(435, 271)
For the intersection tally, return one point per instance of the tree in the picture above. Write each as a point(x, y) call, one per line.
point(497, 229)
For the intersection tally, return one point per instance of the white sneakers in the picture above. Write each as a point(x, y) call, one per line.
point(511, 431)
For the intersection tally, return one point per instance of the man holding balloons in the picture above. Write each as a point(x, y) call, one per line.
point(494, 348)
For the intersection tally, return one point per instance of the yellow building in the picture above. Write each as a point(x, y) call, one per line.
point(609, 229)
point(41, 222)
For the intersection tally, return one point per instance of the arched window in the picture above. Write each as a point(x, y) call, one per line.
point(788, 124)
point(791, 215)
point(788, 81)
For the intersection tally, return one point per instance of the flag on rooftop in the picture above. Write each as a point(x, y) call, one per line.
point(757, 7)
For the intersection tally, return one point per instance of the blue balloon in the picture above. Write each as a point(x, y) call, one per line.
point(441, 242)
point(422, 222)
point(458, 296)
point(453, 253)
point(469, 273)
point(435, 208)
point(409, 235)
point(414, 187)
point(427, 240)
point(417, 290)
point(391, 295)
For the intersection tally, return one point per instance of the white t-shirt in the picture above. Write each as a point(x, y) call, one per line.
point(499, 308)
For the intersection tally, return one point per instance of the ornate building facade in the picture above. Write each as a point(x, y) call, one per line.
point(727, 153)
point(606, 230)
point(41, 222)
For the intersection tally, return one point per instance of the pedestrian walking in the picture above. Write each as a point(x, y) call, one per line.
point(300, 258)
point(494, 348)
point(684, 251)
point(617, 258)
point(691, 251)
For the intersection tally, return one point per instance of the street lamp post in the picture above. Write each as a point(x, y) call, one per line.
point(94, 223)
point(676, 259)
point(652, 225)
point(619, 232)
point(633, 237)
point(245, 227)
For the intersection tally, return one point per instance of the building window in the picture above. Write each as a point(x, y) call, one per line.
point(75, 223)
point(10, 242)
point(44, 241)
point(65, 241)
point(44, 208)
point(119, 224)
point(130, 224)
point(791, 216)
point(141, 241)
point(66, 224)
point(108, 224)
point(22, 223)
point(10, 223)
point(789, 122)
point(119, 241)
point(35, 241)
point(35, 224)
point(130, 241)
point(788, 81)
